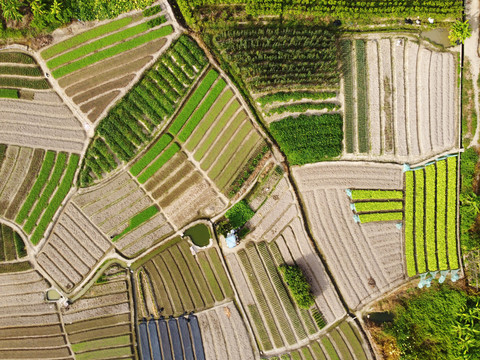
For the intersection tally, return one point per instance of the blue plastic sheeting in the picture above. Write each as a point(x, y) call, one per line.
point(144, 347)
point(187, 342)
point(152, 330)
point(197, 338)
point(176, 342)
point(165, 340)
point(231, 240)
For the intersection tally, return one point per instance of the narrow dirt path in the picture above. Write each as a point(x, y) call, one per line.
point(472, 8)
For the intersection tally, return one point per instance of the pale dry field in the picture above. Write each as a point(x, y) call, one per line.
point(366, 259)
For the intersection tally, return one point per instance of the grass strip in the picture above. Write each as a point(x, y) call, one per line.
point(409, 224)
point(362, 98)
point(101, 343)
point(307, 355)
point(19, 246)
point(9, 243)
point(42, 178)
point(105, 353)
point(193, 102)
point(430, 189)
point(378, 206)
point(317, 351)
point(85, 36)
point(112, 51)
point(332, 354)
point(218, 126)
point(97, 44)
point(2, 245)
point(18, 82)
point(42, 202)
point(20, 70)
point(158, 163)
point(346, 50)
point(341, 346)
point(9, 93)
point(15, 267)
point(441, 215)
point(295, 96)
point(264, 342)
point(138, 220)
point(57, 199)
point(377, 194)
point(419, 215)
point(151, 154)
point(388, 216)
point(220, 272)
point(210, 276)
point(452, 212)
point(199, 114)
point(353, 341)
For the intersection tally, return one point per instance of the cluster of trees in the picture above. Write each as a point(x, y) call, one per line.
point(298, 285)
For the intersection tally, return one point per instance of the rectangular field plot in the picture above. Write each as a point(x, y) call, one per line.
point(129, 125)
point(431, 220)
point(98, 324)
point(366, 259)
point(30, 328)
point(400, 99)
point(177, 282)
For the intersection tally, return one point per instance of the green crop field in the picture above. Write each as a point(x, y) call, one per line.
point(430, 217)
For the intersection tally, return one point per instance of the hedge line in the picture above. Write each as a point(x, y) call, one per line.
point(303, 107)
point(283, 96)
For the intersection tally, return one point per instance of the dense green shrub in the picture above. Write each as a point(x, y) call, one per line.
point(298, 285)
point(239, 214)
point(152, 10)
point(307, 139)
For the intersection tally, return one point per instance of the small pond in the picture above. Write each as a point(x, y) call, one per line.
point(200, 235)
point(438, 36)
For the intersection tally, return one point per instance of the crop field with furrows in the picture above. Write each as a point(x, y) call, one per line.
point(431, 217)
point(341, 342)
point(99, 324)
point(12, 247)
point(47, 187)
point(173, 281)
point(19, 71)
point(30, 328)
point(96, 65)
point(224, 334)
point(175, 338)
point(384, 81)
point(365, 260)
point(129, 126)
point(74, 247)
point(178, 186)
point(283, 103)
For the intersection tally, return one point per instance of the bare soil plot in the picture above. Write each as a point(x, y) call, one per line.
point(79, 245)
point(224, 334)
point(99, 325)
point(179, 282)
point(43, 123)
point(29, 326)
point(354, 252)
point(404, 72)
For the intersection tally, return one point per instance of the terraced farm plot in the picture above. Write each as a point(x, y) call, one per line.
point(75, 246)
point(174, 281)
point(342, 342)
point(431, 217)
point(366, 260)
point(386, 80)
point(20, 71)
point(280, 238)
point(130, 124)
point(12, 247)
point(30, 328)
point(47, 193)
point(224, 334)
point(112, 204)
point(99, 324)
point(174, 338)
point(177, 185)
point(96, 65)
